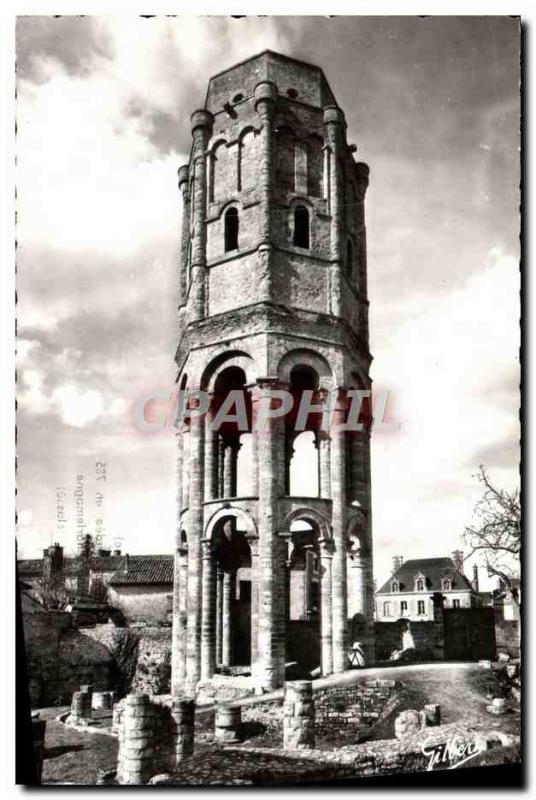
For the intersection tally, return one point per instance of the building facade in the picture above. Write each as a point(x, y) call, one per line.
point(408, 594)
point(273, 296)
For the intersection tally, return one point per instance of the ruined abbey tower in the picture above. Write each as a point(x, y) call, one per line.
point(273, 296)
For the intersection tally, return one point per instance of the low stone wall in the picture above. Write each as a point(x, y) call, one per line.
point(344, 710)
point(507, 637)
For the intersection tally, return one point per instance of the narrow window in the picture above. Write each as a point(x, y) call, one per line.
point(394, 587)
point(420, 585)
point(301, 227)
point(231, 229)
point(349, 258)
point(387, 609)
point(446, 585)
point(455, 604)
point(403, 606)
point(420, 607)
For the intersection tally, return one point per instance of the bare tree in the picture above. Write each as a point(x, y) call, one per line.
point(496, 533)
point(51, 591)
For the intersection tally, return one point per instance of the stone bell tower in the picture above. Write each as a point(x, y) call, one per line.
point(269, 567)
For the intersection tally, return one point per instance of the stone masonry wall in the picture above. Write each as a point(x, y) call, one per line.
point(507, 636)
point(343, 710)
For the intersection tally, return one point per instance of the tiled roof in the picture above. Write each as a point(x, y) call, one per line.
point(433, 570)
point(144, 569)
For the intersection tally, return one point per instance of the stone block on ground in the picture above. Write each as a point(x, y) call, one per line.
point(408, 723)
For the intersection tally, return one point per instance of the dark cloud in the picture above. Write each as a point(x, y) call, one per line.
point(503, 454)
point(73, 41)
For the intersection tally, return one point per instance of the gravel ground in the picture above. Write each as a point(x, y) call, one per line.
point(77, 757)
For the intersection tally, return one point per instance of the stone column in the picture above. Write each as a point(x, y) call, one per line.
point(177, 640)
point(265, 103)
point(183, 617)
point(227, 597)
point(195, 534)
point(254, 548)
point(338, 521)
point(298, 716)
point(227, 724)
point(183, 175)
point(326, 611)
point(208, 611)
point(228, 470)
point(219, 613)
point(324, 477)
point(202, 122)
point(81, 706)
point(334, 123)
point(271, 624)
point(183, 714)
point(221, 468)
point(185, 463)
point(210, 458)
point(135, 760)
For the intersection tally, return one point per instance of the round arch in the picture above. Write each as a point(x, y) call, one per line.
point(356, 531)
point(311, 516)
point(233, 358)
point(304, 357)
point(231, 511)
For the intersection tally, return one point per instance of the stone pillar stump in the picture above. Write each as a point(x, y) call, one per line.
point(298, 716)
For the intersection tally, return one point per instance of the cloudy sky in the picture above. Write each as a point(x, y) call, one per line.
point(103, 110)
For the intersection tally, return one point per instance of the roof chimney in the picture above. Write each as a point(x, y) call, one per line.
point(397, 563)
point(457, 559)
point(475, 577)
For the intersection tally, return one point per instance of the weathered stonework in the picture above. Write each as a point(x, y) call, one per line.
point(81, 706)
point(272, 285)
point(147, 740)
point(227, 723)
point(298, 716)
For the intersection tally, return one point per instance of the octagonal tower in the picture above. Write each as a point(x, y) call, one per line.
point(273, 296)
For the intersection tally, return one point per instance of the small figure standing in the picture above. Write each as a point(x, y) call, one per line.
point(356, 656)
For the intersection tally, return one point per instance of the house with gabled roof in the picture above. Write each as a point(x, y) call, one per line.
point(409, 591)
point(142, 589)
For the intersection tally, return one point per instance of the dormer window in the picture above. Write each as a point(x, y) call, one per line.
point(395, 586)
point(446, 584)
point(419, 584)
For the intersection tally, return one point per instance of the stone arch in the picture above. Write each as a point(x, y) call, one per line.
point(232, 511)
point(233, 358)
point(301, 356)
point(356, 534)
point(285, 169)
point(220, 167)
point(311, 516)
point(358, 378)
point(248, 166)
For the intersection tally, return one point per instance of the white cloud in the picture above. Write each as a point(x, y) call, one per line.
point(76, 406)
point(441, 367)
